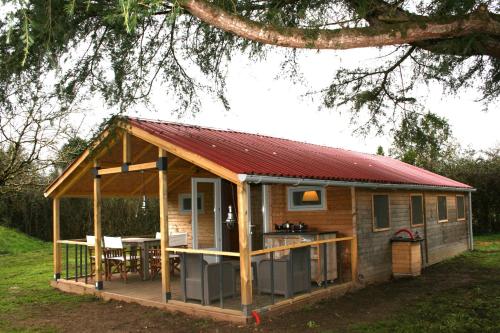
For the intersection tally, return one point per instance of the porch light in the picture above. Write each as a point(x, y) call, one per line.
point(309, 196)
point(231, 219)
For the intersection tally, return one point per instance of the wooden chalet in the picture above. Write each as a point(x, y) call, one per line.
point(276, 223)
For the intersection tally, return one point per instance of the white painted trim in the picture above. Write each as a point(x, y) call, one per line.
point(183, 196)
point(266, 218)
point(217, 211)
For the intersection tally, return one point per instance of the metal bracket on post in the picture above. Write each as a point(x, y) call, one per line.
point(162, 163)
point(99, 285)
point(125, 167)
point(168, 296)
point(246, 309)
point(57, 276)
point(95, 172)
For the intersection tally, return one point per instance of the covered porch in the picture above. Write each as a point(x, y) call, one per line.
point(230, 234)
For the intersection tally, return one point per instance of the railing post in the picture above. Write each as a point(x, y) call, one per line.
point(76, 262)
point(67, 261)
point(271, 270)
point(183, 276)
point(202, 280)
point(308, 268)
point(221, 281)
point(86, 271)
point(354, 259)
point(325, 265)
point(56, 237)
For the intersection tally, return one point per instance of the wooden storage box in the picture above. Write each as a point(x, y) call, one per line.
point(406, 258)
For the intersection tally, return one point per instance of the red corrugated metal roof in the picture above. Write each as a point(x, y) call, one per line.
point(254, 154)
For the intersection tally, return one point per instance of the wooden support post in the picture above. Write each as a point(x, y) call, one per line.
point(56, 237)
point(244, 240)
point(354, 241)
point(471, 233)
point(127, 150)
point(97, 228)
point(163, 196)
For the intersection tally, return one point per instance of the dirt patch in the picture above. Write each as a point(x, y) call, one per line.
point(370, 304)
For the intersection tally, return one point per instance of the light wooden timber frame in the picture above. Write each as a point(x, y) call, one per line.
point(163, 196)
point(244, 240)
point(57, 237)
point(97, 229)
point(71, 175)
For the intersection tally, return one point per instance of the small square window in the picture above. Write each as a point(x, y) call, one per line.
point(185, 203)
point(417, 210)
point(460, 207)
point(381, 212)
point(442, 209)
point(306, 198)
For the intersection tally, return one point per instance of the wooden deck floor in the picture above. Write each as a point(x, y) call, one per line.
point(149, 293)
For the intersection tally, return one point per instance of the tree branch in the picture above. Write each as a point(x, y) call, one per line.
point(415, 30)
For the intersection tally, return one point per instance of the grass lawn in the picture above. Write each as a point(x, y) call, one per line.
point(459, 295)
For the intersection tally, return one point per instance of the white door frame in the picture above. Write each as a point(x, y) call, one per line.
point(217, 210)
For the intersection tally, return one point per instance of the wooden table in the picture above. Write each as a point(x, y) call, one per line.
point(144, 244)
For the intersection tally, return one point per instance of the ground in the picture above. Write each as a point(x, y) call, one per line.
point(459, 295)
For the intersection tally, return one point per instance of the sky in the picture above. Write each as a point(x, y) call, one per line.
point(262, 103)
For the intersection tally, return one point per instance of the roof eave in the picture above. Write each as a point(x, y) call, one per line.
point(324, 182)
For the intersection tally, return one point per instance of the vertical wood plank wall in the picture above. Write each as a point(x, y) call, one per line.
point(443, 239)
point(181, 221)
point(337, 216)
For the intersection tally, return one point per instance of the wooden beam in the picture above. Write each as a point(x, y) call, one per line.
point(109, 180)
point(127, 148)
point(97, 230)
point(185, 154)
point(245, 260)
point(354, 242)
point(131, 168)
point(163, 201)
point(142, 166)
point(57, 188)
point(56, 237)
point(153, 176)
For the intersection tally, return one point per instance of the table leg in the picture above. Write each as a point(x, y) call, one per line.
point(145, 262)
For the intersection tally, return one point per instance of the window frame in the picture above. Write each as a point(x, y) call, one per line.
point(456, 207)
point(374, 227)
point(437, 208)
point(183, 196)
point(411, 210)
point(291, 189)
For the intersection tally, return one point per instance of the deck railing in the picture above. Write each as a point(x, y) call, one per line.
point(76, 260)
point(321, 252)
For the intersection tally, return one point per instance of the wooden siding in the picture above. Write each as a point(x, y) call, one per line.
point(443, 239)
point(337, 216)
point(181, 221)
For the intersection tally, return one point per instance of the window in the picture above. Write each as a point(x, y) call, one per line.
point(442, 209)
point(306, 198)
point(417, 209)
point(185, 203)
point(381, 213)
point(460, 207)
